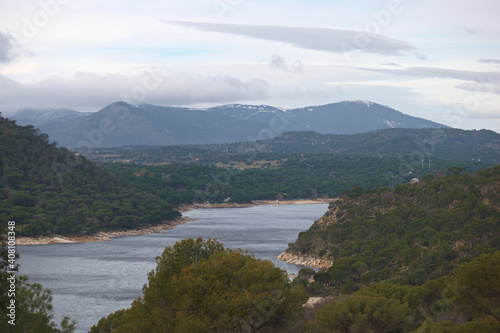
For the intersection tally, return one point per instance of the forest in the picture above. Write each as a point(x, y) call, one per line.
point(271, 177)
point(50, 190)
point(408, 234)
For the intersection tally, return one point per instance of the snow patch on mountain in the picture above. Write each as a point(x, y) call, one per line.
point(391, 123)
point(360, 101)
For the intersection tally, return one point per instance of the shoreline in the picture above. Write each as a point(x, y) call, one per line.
point(101, 236)
point(186, 208)
point(301, 260)
point(108, 236)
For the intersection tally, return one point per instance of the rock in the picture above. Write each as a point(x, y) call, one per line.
point(305, 260)
point(315, 302)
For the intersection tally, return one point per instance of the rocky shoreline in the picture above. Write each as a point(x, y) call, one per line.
point(101, 236)
point(300, 260)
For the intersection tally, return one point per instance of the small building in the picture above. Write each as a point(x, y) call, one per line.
point(414, 180)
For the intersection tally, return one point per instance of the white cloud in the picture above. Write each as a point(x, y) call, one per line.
point(434, 72)
point(319, 39)
point(280, 63)
point(91, 92)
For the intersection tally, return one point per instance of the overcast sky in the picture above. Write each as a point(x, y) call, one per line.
point(438, 60)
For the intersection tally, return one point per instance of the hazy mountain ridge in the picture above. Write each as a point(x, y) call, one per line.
point(121, 124)
point(37, 117)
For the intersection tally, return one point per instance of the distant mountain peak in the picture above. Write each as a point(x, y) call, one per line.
point(360, 101)
point(120, 104)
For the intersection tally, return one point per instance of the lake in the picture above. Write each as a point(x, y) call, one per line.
point(91, 280)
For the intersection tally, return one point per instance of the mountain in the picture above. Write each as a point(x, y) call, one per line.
point(345, 117)
point(48, 190)
point(259, 113)
point(350, 117)
point(37, 117)
point(121, 124)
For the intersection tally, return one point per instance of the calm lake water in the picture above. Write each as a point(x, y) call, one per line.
point(92, 280)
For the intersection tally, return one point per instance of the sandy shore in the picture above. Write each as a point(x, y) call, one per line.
point(107, 236)
point(186, 208)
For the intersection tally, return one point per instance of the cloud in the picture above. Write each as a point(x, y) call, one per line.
point(470, 31)
point(278, 62)
point(490, 61)
point(320, 39)
point(305, 93)
point(485, 115)
point(481, 89)
point(434, 72)
point(6, 48)
point(90, 92)
point(390, 64)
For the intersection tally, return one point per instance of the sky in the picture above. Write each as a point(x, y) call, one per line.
point(438, 60)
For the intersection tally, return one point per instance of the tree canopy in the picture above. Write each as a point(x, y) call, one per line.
point(199, 286)
point(410, 233)
point(50, 190)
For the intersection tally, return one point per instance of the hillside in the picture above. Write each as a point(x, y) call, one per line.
point(271, 176)
point(445, 143)
point(49, 190)
point(121, 124)
point(412, 146)
point(410, 233)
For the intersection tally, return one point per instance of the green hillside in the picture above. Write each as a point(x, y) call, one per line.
point(49, 190)
point(445, 143)
point(268, 177)
point(410, 233)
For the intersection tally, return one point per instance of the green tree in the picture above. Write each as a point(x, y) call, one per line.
point(359, 268)
point(110, 323)
point(198, 286)
point(475, 286)
point(306, 272)
point(486, 324)
point(339, 273)
point(363, 314)
point(322, 277)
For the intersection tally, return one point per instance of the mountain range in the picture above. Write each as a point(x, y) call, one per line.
point(122, 124)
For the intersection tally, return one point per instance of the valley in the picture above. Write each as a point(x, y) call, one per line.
point(408, 208)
